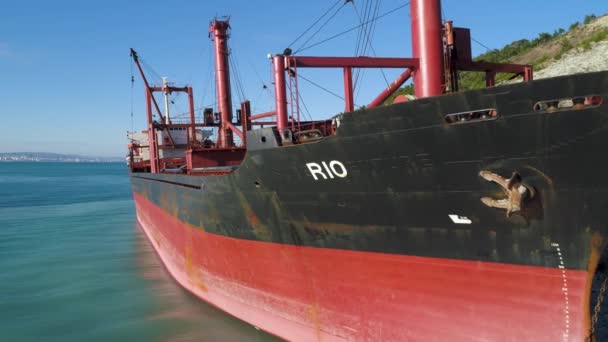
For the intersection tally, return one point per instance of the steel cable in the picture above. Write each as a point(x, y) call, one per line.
point(321, 27)
point(353, 28)
point(313, 24)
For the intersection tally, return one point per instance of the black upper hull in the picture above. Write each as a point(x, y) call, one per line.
point(408, 170)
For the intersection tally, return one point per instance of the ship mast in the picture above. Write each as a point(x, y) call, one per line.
point(219, 30)
point(280, 93)
point(427, 47)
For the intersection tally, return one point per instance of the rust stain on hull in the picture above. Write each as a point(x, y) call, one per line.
point(260, 230)
point(597, 244)
point(194, 274)
point(314, 317)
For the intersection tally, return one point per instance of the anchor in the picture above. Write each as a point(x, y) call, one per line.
point(517, 193)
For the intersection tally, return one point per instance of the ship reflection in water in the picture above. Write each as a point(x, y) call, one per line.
point(192, 319)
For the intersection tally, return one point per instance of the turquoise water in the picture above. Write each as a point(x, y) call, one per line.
point(74, 266)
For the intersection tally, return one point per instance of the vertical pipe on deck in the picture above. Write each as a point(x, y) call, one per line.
point(245, 120)
point(427, 46)
point(219, 29)
point(152, 145)
point(528, 74)
point(490, 78)
point(349, 101)
point(166, 93)
point(280, 94)
point(192, 121)
point(246, 116)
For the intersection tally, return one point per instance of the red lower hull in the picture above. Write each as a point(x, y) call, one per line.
point(304, 293)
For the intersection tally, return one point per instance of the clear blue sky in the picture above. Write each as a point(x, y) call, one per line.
point(65, 66)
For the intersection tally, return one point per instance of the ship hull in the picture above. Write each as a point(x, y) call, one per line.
point(383, 231)
point(304, 293)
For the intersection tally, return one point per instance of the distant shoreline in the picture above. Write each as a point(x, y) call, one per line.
point(47, 157)
point(64, 161)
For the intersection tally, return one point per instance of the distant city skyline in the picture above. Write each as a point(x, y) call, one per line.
point(66, 69)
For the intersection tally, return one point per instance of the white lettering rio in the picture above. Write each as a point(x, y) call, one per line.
point(325, 170)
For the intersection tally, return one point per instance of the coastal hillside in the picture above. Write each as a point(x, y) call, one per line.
point(588, 51)
point(581, 47)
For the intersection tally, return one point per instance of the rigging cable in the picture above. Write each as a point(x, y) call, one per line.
point(150, 70)
point(360, 33)
point(373, 30)
point(177, 94)
point(480, 43)
point(313, 24)
point(264, 86)
point(263, 89)
point(371, 47)
point(353, 28)
point(322, 26)
point(234, 78)
point(365, 30)
point(240, 79)
point(323, 88)
point(208, 83)
point(255, 101)
point(304, 105)
point(157, 78)
point(369, 43)
point(177, 107)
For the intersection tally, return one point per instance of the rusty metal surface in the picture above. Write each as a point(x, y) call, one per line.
point(413, 184)
point(323, 294)
point(405, 179)
point(516, 193)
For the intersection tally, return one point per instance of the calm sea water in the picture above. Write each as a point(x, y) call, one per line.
point(74, 266)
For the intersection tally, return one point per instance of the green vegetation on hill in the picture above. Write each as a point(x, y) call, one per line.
point(537, 52)
point(512, 53)
point(598, 36)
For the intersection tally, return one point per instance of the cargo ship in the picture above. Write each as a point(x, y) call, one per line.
point(446, 216)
